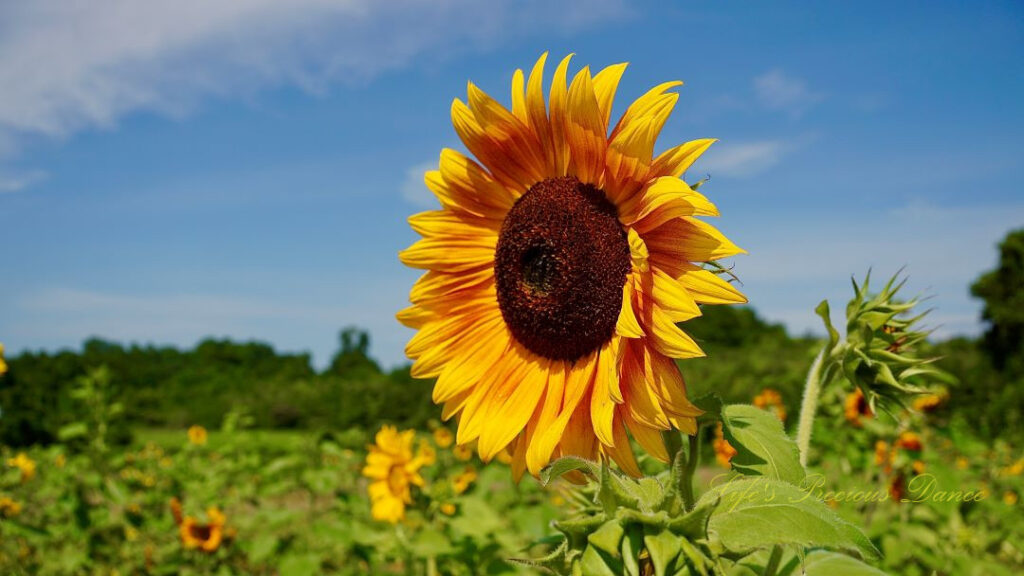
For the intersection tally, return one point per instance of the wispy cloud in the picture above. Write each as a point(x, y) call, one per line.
point(13, 182)
point(414, 190)
point(741, 159)
point(66, 66)
point(778, 91)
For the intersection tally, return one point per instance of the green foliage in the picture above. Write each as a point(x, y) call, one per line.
point(762, 447)
point(167, 387)
point(1002, 290)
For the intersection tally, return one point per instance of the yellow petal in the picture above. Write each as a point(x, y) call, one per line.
point(676, 161)
point(585, 131)
point(691, 240)
point(627, 325)
point(578, 381)
point(606, 82)
point(452, 223)
point(537, 112)
point(450, 254)
point(558, 120)
point(602, 407)
point(512, 414)
point(664, 198)
point(436, 285)
point(669, 295)
point(519, 97)
point(536, 457)
point(622, 451)
point(638, 253)
point(485, 348)
point(649, 438)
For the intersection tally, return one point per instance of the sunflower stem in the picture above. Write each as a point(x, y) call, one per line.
point(686, 478)
point(812, 390)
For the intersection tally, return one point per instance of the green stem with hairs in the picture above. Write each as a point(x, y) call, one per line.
point(812, 390)
point(686, 481)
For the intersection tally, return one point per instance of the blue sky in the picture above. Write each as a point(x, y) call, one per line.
point(245, 169)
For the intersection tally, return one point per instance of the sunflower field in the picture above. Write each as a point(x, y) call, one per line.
point(587, 396)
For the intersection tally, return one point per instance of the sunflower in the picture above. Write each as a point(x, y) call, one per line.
point(557, 269)
point(9, 507)
point(443, 437)
point(464, 479)
point(197, 435)
point(393, 468)
point(769, 399)
point(206, 536)
point(3, 365)
point(855, 407)
point(909, 441)
point(723, 450)
point(26, 465)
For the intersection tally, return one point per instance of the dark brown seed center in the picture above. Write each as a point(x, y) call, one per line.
point(560, 264)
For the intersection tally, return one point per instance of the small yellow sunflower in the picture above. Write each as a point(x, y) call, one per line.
point(855, 407)
point(723, 450)
point(197, 435)
point(443, 437)
point(909, 441)
point(464, 480)
point(25, 464)
point(769, 399)
point(206, 536)
point(9, 507)
point(394, 470)
point(448, 509)
point(3, 364)
point(558, 266)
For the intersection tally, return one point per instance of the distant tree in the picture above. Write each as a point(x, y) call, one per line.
point(1002, 290)
point(353, 356)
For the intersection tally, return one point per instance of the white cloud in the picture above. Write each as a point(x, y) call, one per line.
point(414, 190)
point(741, 159)
point(777, 91)
point(17, 181)
point(66, 66)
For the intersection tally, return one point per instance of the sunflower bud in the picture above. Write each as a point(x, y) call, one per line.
point(880, 351)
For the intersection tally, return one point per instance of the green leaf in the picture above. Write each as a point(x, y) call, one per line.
point(694, 525)
point(762, 446)
point(711, 404)
point(567, 464)
point(825, 563)
point(608, 538)
point(663, 547)
point(72, 431)
point(833, 335)
point(430, 543)
point(299, 565)
point(760, 512)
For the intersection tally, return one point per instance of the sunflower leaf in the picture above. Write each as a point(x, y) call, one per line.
point(760, 512)
point(762, 446)
point(567, 464)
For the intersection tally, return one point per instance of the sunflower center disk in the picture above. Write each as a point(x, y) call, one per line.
point(560, 264)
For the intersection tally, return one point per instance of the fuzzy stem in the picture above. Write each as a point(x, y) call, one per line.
point(812, 390)
point(686, 481)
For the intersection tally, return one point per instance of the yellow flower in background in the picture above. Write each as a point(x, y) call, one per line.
point(723, 450)
point(962, 463)
point(770, 399)
point(448, 509)
point(463, 452)
point(918, 467)
point(856, 407)
point(909, 441)
point(883, 456)
point(1010, 498)
point(204, 536)
point(8, 507)
point(929, 402)
point(3, 364)
point(1015, 469)
point(426, 453)
point(443, 437)
point(25, 464)
point(394, 470)
point(464, 479)
point(197, 435)
point(560, 262)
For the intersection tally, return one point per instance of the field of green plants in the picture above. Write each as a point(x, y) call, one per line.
point(934, 485)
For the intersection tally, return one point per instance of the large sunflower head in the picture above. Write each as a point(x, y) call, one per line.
point(560, 262)
point(393, 469)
